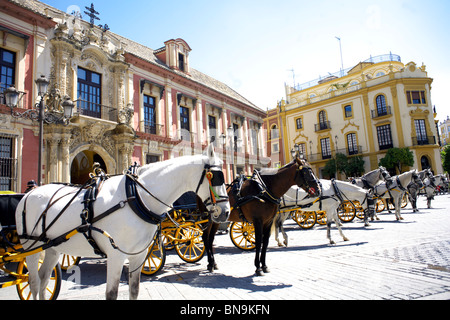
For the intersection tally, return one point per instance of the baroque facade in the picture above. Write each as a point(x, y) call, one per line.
point(378, 104)
point(133, 103)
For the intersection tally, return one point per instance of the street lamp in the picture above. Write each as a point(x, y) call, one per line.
point(11, 96)
point(38, 113)
point(42, 84)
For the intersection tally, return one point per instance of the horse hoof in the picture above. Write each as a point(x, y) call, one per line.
point(401, 218)
point(346, 239)
point(266, 269)
point(259, 272)
point(332, 242)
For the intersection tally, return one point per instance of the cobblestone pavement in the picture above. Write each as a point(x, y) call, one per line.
point(389, 260)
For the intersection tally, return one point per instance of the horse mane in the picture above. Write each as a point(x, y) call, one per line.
point(274, 171)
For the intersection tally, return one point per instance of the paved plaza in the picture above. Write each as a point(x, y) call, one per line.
point(389, 260)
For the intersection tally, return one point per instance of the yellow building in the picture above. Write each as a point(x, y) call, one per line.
point(378, 104)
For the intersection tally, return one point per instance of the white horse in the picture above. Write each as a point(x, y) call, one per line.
point(396, 189)
point(414, 188)
point(430, 184)
point(334, 192)
point(372, 178)
point(158, 185)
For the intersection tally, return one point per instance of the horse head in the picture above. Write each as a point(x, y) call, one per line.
point(384, 173)
point(306, 179)
point(217, 202)
point(416, 179)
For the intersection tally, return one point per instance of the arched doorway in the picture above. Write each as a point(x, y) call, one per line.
point(425, 163)
point(82, 166)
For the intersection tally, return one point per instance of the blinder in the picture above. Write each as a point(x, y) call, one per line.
point(216, 177)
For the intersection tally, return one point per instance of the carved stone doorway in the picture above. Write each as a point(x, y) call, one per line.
point(82, 165)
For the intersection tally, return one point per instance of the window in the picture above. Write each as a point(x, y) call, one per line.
point(212, 129)
point(381, 105)
point(7, 70)
point(274, 134)
point(254, 135)
point(416, 97)
point(184, 124)
point(302, 148)
point(181, 61)
point(326, 149)
point(150, 158)
point(348, 111)
point(275, 147)
point(351, 143)
point(235, 136)
point(384, 137)
point(149, 115)
point(90, 93)
point(323, 123)
point(7, 164)
point(299, 123)
point(421, 132)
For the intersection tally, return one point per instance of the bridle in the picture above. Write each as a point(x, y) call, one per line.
point(215, 178)
point(306, 177)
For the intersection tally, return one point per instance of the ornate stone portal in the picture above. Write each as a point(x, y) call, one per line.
point(108, 138)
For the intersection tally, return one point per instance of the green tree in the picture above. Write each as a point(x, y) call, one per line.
point(445, 156)
point(351, 167)
point(397, 158)
point(355, 167)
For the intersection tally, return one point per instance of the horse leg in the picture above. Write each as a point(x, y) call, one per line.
point(33, 276)
point(113, 272)
point(339, 226)
point(329, 222)
point(258, 241)
point(277, 226)
point(265, 244)
point(134, 274)
point(208, 240)
point(398, 205)
point(46, 269)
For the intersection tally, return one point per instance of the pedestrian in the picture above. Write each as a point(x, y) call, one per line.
point(31, 185)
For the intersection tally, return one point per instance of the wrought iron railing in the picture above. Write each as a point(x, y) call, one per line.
point(95, 110)
point(420, 141)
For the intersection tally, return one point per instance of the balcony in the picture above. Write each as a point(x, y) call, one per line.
point(95, 110)
point(153, 128)
point(421, 141)
point(319, 156)
point(381, 112)
point(322, 126)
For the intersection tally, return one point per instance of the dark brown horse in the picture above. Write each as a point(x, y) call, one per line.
point(257, 202)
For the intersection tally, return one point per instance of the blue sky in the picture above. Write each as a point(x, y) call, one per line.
point(252, 44)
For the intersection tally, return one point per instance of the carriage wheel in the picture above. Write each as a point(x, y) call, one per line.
point(190, 246)
point(67, 261)
point(404, 201)
point(53, 287)
point(379, 205)
point(305, 219)
point(168, 237)
point(346, 212)
point(242, 235)
point(321, 217)
point(155, 260)
point(359, 210)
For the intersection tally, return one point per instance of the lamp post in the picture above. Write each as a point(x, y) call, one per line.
point(39, 114)
point(42, 84)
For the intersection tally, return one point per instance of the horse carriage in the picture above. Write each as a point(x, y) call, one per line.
point(12, 256)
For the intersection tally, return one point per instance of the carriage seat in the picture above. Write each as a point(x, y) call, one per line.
point(8, 205)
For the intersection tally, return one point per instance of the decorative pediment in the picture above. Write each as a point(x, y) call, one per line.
point(348, 125)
